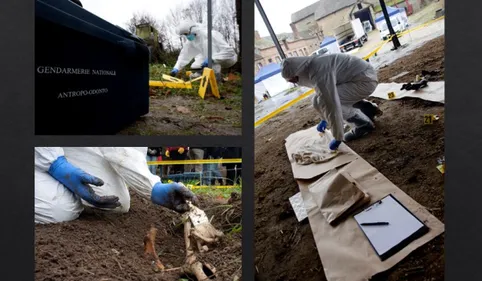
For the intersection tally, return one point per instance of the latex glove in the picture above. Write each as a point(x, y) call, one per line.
point(322, 126)
point(174, 71)
point(205, 63)
point(334, 144)
point(180, 150)
point(78, 181)
point(167, 153)
point(173, 196)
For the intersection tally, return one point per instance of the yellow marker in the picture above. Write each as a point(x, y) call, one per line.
point(391, 95)
point(441, 168)
point(208, 79)
point(172, 85)
point(428, 119)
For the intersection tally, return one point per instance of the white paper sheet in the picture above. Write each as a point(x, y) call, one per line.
point(402, 224)
point(298, 206)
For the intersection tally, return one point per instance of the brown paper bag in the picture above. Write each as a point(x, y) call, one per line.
point(338, 196)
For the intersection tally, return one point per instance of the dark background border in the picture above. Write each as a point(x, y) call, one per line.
point(463, 145)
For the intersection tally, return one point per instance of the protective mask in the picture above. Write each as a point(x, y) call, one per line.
point(190, 37)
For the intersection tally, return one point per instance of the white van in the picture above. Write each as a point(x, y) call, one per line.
point(398, 24)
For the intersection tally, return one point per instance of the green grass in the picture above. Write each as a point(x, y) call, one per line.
point(212, 191)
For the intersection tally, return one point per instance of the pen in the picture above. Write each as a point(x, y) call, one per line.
point(374, 223)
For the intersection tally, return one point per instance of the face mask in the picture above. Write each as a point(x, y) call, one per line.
point(190, 37)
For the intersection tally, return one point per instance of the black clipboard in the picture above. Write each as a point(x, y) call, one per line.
point(424, 229)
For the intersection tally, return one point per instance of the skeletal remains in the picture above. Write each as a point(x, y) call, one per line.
point(198, 234)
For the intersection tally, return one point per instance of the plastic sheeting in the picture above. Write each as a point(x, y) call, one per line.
point(435, 91)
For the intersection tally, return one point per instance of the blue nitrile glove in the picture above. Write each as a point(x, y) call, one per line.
point(205, 63)
point(174, 71)
point(78, 181)
point(334, 144)
point(322, 126)
point(173, 196)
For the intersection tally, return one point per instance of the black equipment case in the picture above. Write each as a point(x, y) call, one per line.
point(91, 77)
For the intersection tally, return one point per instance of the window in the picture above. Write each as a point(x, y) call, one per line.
point(306, 51)
point(278, 59)
point(295, 53)
point(290, 54)
point(260, 65)
point(270, 60)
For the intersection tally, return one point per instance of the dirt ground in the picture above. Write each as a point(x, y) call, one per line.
point(183, 112)
point(401, 148)
point(109, 247)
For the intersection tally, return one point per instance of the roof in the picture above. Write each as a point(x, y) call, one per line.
point(305, 12)
point(327, 7)
point(327, 41)
point(267, 71)
point(267, 42)
point(391, 11)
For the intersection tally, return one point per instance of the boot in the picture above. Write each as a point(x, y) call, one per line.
point(370, 109)
point(362, 127)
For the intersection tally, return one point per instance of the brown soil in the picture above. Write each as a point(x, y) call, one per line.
point(401, 148)
point(109, 247)
point(168, 114)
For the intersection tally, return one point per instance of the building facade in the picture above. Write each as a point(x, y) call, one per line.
point(325, 16)
point(293, 45)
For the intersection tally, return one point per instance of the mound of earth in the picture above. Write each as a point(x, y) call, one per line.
point(109, 247)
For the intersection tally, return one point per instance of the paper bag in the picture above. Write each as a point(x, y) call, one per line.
point(337, 195)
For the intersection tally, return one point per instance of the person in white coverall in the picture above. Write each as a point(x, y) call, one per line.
point(69, 178)
point(342, 83)
point(196, 46)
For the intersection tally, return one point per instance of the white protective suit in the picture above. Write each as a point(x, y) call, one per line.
point(118, 167)
point(340, 81)
point(223, 55)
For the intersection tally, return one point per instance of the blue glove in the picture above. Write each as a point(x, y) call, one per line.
point(322, 126)
point(173, 196)
point(79, 182)
point(174, 71)
point(205, 63)
point(334, 144)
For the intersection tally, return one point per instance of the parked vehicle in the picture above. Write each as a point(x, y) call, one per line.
point(328, 46)
point(351, 35)
point(398, 19)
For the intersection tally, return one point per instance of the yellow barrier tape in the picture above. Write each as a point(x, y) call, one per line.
point(400, 35)
point(277, 111)
point(191, 162)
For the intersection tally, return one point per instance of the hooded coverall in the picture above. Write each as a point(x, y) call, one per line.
point(341, 82)
point(223, 55)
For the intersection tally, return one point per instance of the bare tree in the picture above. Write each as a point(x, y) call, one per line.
point(141, 18)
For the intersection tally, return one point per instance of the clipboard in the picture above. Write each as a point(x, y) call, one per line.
point(403, 227)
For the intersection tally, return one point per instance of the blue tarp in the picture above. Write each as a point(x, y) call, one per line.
point(327, 41)
point(267, 71)
point(391, 11)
